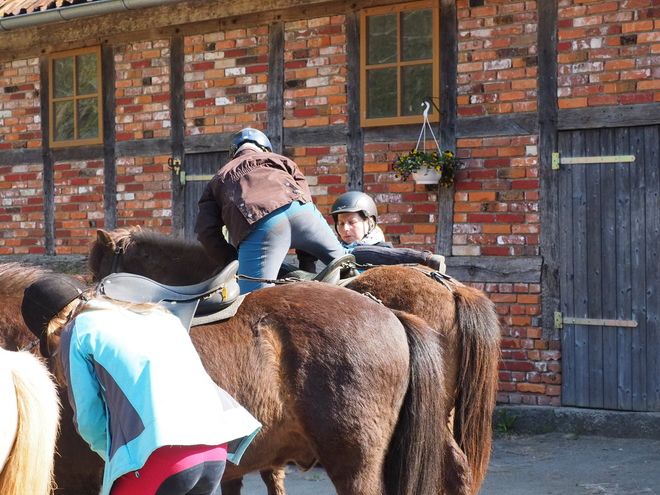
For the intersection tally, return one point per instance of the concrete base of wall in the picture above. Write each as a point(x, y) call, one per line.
point(578, 421)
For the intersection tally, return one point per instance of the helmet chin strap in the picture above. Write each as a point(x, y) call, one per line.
point(370, 226)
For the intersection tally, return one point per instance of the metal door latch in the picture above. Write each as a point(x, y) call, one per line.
point(557, 160)
point(561, 320)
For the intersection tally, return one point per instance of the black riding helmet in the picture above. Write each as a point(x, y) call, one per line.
point(355, 201)
point(44, 299)
point(249, 135)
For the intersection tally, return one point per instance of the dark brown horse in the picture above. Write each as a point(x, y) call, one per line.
point(464, 319)
point(325, 392)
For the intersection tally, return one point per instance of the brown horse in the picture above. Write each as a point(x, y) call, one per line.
point(325, 392)
point(464, 319)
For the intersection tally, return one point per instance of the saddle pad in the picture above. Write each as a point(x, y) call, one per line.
point(222, 315)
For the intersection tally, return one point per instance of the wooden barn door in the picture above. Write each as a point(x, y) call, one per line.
point(609, 224)
point(198, 168)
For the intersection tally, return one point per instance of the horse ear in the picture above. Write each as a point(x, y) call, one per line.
point(105, 239)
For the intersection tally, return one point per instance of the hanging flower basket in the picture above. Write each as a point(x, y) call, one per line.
point(436, 167)
point(428, 176)
point(427, 167)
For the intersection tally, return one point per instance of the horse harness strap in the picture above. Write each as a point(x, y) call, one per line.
point(119, 250)
point(442, 278)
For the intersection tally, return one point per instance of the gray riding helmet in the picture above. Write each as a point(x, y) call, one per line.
point(249, 135)
point(354, 201)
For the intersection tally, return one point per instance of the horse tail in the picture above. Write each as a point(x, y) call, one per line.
point(29, 467)
point(476, 388)
point(414, 459)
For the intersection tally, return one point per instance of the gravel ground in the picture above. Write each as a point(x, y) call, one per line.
point(551, 464)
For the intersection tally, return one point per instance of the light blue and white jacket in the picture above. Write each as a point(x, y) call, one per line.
point(136, 383)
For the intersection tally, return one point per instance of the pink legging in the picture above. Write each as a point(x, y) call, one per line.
point(165, 462)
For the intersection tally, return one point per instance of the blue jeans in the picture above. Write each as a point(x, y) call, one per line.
point(296, 225)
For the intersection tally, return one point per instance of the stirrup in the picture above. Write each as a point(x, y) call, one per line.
point(336, 270)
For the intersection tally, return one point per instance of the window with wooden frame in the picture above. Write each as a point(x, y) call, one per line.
point(75, 98)
point(400, 63)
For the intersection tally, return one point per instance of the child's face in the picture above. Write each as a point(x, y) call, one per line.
point(351, 227)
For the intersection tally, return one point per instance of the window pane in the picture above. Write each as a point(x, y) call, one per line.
point(63, 77)
point(381, 39)
point(416, 84)
point(382, 93)
point(417, 35)
point(87, 74)
point(64, 120)
point(88, 118)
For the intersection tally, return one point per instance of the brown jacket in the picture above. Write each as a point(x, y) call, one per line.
point(245, 190)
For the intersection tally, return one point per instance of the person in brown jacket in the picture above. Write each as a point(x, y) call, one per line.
point(263, 200)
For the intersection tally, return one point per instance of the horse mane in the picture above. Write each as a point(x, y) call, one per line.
point(29, 467)
point(15, 277)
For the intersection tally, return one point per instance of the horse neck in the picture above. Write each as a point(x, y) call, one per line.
point(172, 264)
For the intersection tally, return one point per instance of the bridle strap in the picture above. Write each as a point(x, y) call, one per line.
point(115, 261)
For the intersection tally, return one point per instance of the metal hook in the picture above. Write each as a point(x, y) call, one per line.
point(426, 110)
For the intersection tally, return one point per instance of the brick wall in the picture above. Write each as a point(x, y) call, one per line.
point(144, 192)
point(20, 118)
point(497, 189)
point(142, 90)
point(529, 369)
point(608, 53)
point(21, 186)
point(78, 205)
point(315, 72)
point(226, 80)
point(21, 209)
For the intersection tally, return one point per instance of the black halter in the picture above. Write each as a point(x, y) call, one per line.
point(119, 250)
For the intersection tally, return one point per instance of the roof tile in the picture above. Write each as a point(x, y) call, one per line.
point(16, 7)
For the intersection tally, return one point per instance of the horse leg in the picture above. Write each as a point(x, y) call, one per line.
point(232, 487)
point(359, 472)
point(456, 472)
point(274, 480)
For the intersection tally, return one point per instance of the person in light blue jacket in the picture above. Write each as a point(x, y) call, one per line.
point(141, 397)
